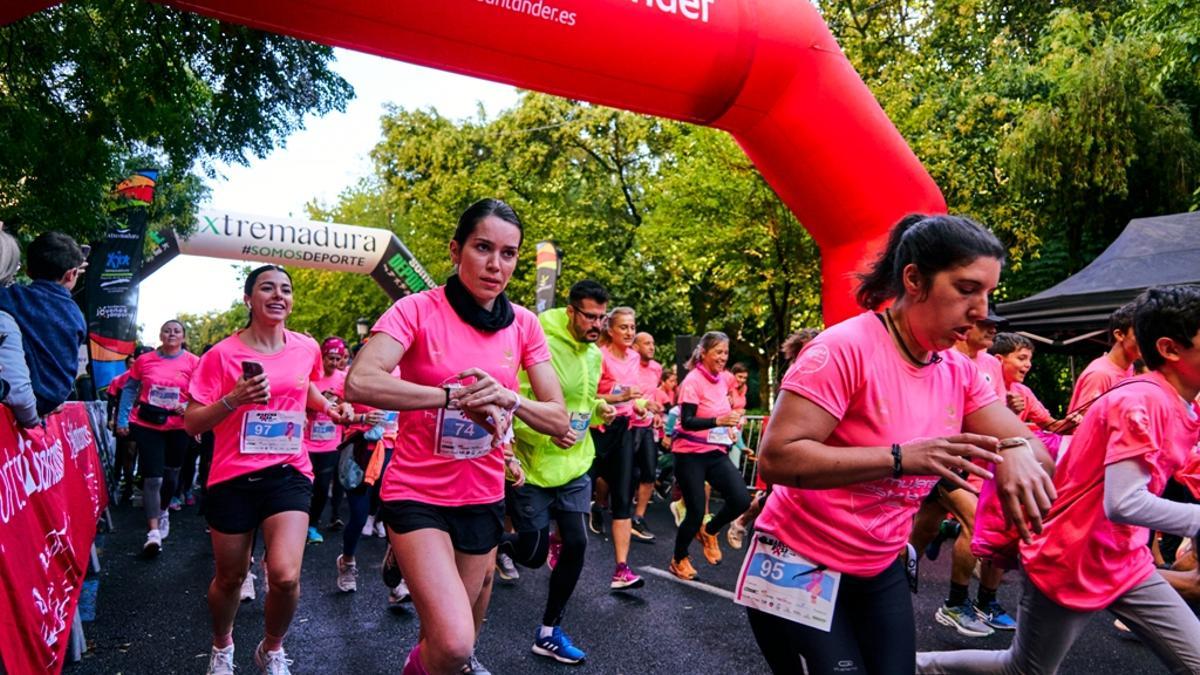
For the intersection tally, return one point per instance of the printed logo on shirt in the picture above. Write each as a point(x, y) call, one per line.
point(812, 359)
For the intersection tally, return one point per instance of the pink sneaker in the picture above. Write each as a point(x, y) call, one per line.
point(624, 579)
point(555, 549)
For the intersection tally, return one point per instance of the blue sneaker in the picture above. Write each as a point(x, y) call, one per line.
point(558, 647)
point(995, 616)
point(314, 537)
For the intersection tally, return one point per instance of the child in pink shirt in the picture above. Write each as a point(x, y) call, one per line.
point(1092, 553)
point(1111, 367)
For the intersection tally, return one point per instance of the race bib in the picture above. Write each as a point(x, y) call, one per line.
point(458, 437)
point(164, 397)
point(776, 580)
point(323, 430)
point(721, 436)
point(272, 432)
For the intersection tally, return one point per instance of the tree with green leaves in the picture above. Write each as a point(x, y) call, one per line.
point(90, 90)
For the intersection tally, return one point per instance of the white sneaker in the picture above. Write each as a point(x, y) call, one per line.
point(369, 527)
point(248, 587)
point(164, 524)
point(347, 578)
point(399, 595)
point(220, 662)
point(272, 663)
point(379, 530)
point(153, 543)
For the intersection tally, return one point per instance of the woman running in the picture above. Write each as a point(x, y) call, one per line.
point(871, 414)
point(615, 451)
point(322, 435)
point(707, 429)
point(248, 389)
point(153, 399)
point(459, 348)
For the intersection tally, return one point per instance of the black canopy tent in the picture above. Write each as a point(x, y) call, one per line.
point(1162, 250)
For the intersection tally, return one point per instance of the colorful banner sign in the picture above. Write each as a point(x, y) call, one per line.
point(51, 497)
point(111, 289)
point(549, 266)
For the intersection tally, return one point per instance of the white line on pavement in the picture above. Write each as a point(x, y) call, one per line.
point(698, 585)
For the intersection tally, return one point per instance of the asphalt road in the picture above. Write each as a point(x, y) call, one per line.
point(151, 615)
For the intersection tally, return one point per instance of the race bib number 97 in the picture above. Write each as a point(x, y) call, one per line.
point(272, 432)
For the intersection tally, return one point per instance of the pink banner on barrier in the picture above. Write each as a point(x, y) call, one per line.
point(51, 496)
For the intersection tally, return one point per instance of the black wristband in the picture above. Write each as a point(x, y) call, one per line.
point(897, 468)
point(447, 390)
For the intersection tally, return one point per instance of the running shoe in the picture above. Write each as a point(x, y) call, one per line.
point(555, 550)
point(220, 662)
point(379, 530)
point(176, 504)
point(336, 525)
point(947, 531)
point(558, 647)
point(391, 570)
point(272, 663)
point(640, 530)
point(399, 595)
point(712, 547)
point(736, 534)
point(153, 543)
point(996, 616)
point(624, 579)
point(678, 511)
point(347, 575)
point(248, 587)
point(683, 568)
point(474, 667)
point(707, 517)
point(314, 537)
point(190, 500)
point(596, 521)
point(963, 619)
point(164, 523)
point(369, 527)
point(506, 568)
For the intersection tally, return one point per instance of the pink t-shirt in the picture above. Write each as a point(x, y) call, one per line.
point(322, 434)
point(617, 374)
point(1082, 560)
point(992, 371)
point(855, 373)
point(1034, 412)
point(710, 393)
point(664, 398)
point(117, 383)
point(255, 437)
point(438, 346)
point(164, 383)
point(1099, 376)
point(648, 377)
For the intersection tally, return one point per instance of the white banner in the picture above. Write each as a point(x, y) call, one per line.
point(286, 241)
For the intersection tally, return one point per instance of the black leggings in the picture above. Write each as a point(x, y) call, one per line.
point(614, 452)
point(692, 471)
point(645, 454)
point(872, 631)
point(324, 465)
point(530, 548)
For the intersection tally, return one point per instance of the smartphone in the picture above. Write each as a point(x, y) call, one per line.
point(251, 369)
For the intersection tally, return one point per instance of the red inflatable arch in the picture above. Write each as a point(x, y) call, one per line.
point(767, 71)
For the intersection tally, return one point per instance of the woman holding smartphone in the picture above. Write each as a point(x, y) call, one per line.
point(248, 390)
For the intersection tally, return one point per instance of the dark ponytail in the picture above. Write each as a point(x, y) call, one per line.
point(933, 244)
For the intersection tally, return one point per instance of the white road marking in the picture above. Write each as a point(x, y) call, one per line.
point(698, 585)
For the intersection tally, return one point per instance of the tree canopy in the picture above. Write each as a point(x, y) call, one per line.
point(90, 90)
